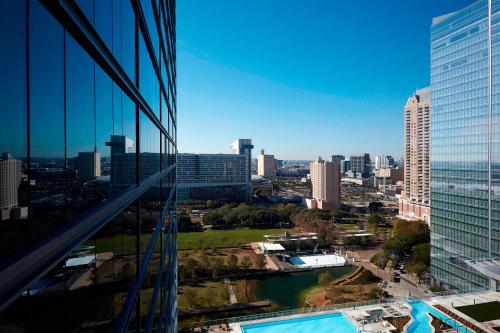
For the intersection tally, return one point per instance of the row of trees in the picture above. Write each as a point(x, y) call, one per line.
point(206, 266)
point(410, 238)
point(318, 221)
point(230, 216)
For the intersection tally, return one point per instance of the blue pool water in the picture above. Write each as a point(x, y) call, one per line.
point(335, 322)
point(422, 323)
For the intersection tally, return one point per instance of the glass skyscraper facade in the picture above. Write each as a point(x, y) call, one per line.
point(465, 143)
point(88, 165)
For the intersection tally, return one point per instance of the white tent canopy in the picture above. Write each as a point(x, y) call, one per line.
point(270, 247)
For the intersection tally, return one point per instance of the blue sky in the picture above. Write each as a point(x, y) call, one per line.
point(301, 78)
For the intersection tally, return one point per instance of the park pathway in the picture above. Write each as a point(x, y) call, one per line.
point(232, 295)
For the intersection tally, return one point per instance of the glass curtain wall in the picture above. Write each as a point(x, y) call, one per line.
point(87, 165)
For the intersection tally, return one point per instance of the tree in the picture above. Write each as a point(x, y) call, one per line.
point(375, 219)
point(127, 272)
point(246, 262)
point(420, 259)
point(417, 268)
point(375, 206)
point(211, 204)
point(260, 261)
point(184, 222)
point(232, 262)
point(210, 293)
point(422, 254)
point(323, 280)
point(216, 266)
point(406, 235)
point(244, 286)
point(190, 296)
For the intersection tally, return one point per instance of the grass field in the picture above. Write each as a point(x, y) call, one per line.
point(186, 240)
point(482, 312)
point(221, 238)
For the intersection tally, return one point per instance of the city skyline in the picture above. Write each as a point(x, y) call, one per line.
point(332, 167)
point(278, 99)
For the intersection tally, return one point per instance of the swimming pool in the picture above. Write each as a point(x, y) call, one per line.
point(421, 321)
point(335, 322)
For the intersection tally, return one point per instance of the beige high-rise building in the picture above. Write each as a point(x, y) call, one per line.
point(415, 195)
point(325, 179)
point(266, 167)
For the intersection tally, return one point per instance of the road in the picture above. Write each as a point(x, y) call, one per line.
point(401, 289)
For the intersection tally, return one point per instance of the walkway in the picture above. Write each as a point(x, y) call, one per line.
point(270, 264)
point(232, 295)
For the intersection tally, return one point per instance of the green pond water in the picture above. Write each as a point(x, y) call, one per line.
point(285, 291)
point(288, 291)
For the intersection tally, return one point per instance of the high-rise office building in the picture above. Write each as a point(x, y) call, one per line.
point(361, 164)
point(338, 159)
point(10, 179)
point(266, 166)
point(325, 180)
point(415, 195)
point(244, 147)
point(345, 166)
point(216, 176)
point(465, 147)
point(89, 116)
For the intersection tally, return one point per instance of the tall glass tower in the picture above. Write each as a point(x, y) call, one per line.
point(88, 164)
point(465, 146)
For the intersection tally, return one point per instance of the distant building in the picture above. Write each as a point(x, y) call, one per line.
point(361, 164)
point(10, 179)
point(89, 165)
point(123, 162)
point(266, 165)
point(338, 159)
point(383, 161)
point(244, 147)
point(397, 174)
point(216, 176)
point(386, 177)
point(415, 195)
point(345, 166)
point(325, 179)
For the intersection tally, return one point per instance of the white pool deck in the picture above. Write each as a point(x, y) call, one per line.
point(354, 315)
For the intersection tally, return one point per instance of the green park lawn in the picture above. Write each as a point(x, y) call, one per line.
point(187, 240)
point(222, 238)
point(482, 312)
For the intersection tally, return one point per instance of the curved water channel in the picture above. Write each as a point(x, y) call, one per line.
point(288, 291)
point(285, 291)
